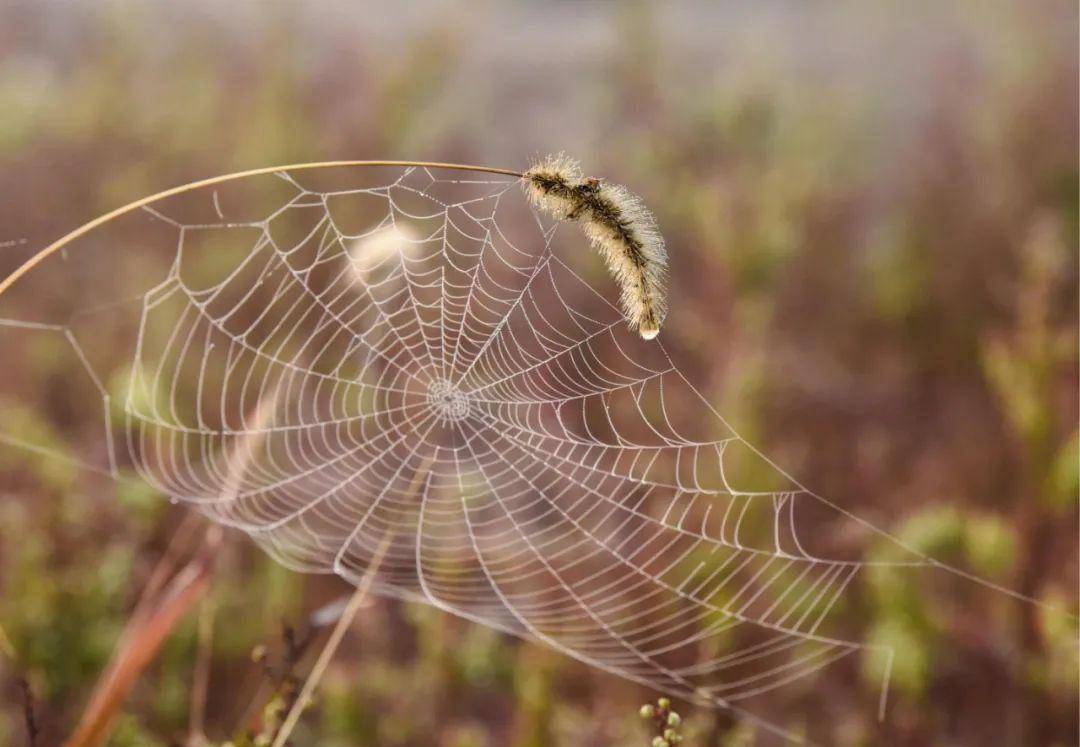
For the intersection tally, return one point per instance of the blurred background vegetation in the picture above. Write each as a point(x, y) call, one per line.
point(871, 209)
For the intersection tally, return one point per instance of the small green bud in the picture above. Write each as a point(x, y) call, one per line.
point(648, 710)
point(664, 703)
point(660, 742)
point(674, 719)
point(671, 737)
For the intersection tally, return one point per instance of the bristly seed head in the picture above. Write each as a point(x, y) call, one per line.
point(619, 227)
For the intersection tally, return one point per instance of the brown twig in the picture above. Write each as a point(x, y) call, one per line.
point(32, 729)
point(282, 680)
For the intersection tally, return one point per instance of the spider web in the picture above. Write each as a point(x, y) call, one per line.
point(413, 353)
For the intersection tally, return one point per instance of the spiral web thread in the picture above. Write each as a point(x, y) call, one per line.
point(418, 358)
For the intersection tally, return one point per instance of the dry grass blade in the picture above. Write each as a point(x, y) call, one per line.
point(150, 595)
point(138, 651)
point(200, 681)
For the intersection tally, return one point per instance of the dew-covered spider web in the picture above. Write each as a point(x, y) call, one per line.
point(328, 358)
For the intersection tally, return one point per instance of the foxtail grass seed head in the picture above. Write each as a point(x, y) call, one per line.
point(619, 227)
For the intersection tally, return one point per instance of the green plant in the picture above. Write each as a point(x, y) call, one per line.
point(665, 722)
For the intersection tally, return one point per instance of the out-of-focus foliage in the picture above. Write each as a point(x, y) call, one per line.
point(871, 209)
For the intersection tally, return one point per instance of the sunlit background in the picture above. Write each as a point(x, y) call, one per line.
point(871, 210)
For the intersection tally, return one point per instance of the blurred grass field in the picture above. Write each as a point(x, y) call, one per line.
point(872, 215)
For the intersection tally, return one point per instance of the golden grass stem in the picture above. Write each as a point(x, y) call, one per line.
point(336, 636)
point(85, 228)
point(343, 623)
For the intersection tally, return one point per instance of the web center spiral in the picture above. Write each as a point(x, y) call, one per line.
point(449, 402)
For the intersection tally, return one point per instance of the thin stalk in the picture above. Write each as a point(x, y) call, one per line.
point(200, 685)
point(60, 243)
point(327, 654)
point(420, 477)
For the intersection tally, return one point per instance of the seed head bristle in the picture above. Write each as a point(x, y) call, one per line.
point(550, 184)
point(619, 227)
